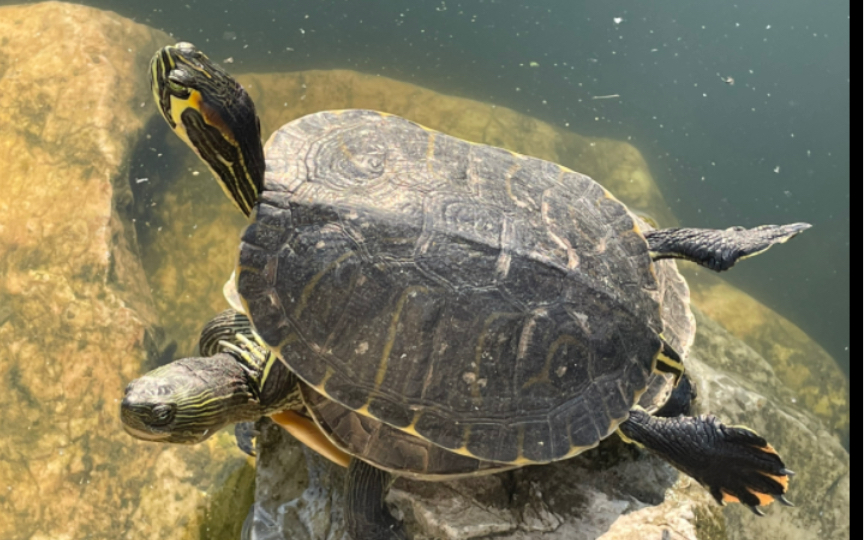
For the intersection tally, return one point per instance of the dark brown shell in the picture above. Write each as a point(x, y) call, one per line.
point(499, 306)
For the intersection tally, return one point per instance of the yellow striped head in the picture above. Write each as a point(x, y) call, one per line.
point(213, 114)
point(188, 400)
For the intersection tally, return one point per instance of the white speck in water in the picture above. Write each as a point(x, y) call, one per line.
point(141, 180)
point(195, 173)
point(618, 20)
point(229, 60)
point(777, 169)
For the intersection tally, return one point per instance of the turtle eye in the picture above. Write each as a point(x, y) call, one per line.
point(178, 82)
point(161, 415)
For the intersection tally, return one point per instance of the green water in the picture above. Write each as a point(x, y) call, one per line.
point(773, 147)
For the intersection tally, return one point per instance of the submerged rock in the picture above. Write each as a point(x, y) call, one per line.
point(615, 492)
point(76, 318)
point(804, 367)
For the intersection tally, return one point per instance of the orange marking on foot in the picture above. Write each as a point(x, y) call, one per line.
point(768, 449)
point(305, 431)
point(782, 480)
point(764, 498)
point(729, 498)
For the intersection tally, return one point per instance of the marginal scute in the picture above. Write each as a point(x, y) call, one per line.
point(536, 444)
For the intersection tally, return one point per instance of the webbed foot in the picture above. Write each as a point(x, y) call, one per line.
point(719, 249)
point(734, 463)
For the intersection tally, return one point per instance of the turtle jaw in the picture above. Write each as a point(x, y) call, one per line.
point(212, 113)
point(146, 435)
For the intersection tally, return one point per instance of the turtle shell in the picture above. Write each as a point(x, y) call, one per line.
point(389, 448)
point(401, 453)
point(500, 306)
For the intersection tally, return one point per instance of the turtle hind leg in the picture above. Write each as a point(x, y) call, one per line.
point(366, 515)
point(680, 402)
point(733, 463)
point(718, 249)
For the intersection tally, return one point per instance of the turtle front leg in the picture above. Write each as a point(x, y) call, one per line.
point(718, 249)
point(733, 463)
point(366, 515)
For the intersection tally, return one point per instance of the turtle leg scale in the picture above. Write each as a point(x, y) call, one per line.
point(366, 515)
point(733, 463)
point(718, 249)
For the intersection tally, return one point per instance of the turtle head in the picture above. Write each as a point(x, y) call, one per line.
point(210, 111)
point(188, 400)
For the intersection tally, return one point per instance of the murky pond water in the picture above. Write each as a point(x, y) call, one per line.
point(739, 114)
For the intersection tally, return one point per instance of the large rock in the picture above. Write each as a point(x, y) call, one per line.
point(76, 318)
point(804, 367)
point(614, 492)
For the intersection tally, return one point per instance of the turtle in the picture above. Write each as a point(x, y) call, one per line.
point(500, 307)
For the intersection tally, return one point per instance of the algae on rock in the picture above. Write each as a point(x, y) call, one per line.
point(803, 366)
point(77, 321)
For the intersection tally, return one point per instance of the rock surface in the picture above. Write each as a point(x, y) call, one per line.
point(76, 318)
point(614, 492)
point(803, 366)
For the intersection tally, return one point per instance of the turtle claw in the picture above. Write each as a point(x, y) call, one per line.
point(756, 510)
point(787, 472)
point(785, 502)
